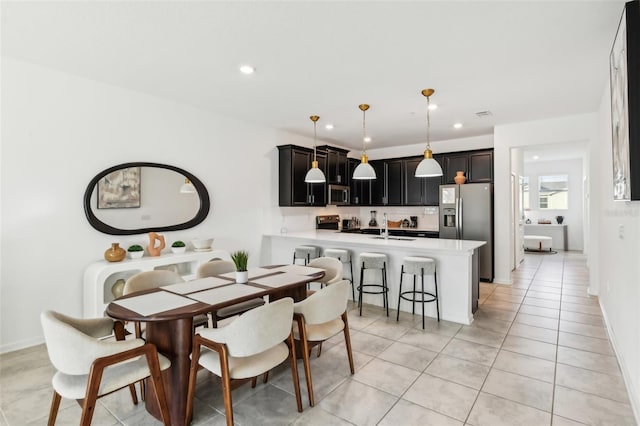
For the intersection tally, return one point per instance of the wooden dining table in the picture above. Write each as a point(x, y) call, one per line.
point(168, 312)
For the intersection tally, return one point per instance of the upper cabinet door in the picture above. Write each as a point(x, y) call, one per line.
point(481, 167)
point(336, 168)
point(378, 185)
point(413, 186)
point(395, 180)
point(453, 163)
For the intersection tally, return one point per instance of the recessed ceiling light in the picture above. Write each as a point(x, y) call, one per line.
point(433, 106)
point(328, 126)
point(247, 69)
point(457, 126)
point(367, 139)
point(535, 157)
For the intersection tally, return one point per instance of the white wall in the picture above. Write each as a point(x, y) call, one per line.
point(615, 255)
point(573, 216)
point(59, 131)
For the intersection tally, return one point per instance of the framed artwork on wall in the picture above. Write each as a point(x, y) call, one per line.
point(624, 66)
point(120, 189)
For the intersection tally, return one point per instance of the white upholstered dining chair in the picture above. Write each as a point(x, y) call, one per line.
point(320, 317)
point(332, 269)
point(89, 367)
point(249, 346)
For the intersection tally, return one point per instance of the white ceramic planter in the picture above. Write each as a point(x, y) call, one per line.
point(178, 249)
point(135, 254)
point(242, 277)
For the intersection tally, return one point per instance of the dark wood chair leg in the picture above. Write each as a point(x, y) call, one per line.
point(302, 332)
point(347, 341)
point(158, 385)
point(53, 411)
point(265, 377)
point(294, 372)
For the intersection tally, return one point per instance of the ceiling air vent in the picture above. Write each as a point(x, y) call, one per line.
point(483, 114)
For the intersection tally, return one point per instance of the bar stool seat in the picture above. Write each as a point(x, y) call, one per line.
point(374, 261)
point(306, 252)
point(418, 266)
point(344, 256)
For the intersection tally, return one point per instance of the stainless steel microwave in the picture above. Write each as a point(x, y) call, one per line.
point(338, 195)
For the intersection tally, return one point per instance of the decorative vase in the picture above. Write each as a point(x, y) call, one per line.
point(242, 277)
point(115, 253)
point(560, 219)
point(460, 178)
point(156, 244)
point(117, 288)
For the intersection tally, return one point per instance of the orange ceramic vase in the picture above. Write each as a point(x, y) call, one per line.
point(460, 178)
point(115, 253)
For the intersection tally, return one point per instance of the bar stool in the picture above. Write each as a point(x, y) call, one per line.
point(344, 256)
point(374, 261)
point(305, 252)
point(418, 266)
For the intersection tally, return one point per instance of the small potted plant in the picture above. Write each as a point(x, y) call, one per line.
point(178, 247)
point(135, 251)
point(240, 259)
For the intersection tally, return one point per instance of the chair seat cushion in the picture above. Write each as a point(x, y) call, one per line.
point(245, 367)
point(239, 308)
point(114, 377)
point(321, 332)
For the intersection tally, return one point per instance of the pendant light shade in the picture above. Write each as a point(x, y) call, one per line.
point(314, 175)
point(428, 167)
point(364, 171)
point(187, 187)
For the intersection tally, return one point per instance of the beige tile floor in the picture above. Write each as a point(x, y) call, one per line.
point(536, 354)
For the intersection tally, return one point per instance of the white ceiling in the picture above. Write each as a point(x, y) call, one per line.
point(521, 60)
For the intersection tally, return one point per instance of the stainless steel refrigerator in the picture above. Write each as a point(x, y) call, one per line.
point(466, 213)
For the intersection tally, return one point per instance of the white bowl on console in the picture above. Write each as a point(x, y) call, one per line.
point(202, 244)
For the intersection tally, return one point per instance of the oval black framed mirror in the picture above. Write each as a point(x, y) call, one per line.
point(140, 197)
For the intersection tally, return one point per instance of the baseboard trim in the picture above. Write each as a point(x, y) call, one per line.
point(22, 344)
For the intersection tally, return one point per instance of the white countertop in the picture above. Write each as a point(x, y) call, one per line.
point(444, 245)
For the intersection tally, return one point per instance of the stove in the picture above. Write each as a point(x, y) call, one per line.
point(331, 221)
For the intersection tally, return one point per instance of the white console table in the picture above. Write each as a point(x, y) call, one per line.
point(100, 276)
point(557, 232)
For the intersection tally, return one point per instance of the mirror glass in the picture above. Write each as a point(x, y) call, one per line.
point(136, 198)
point(554, 192)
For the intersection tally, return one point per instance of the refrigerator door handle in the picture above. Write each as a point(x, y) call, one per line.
point(459, 220)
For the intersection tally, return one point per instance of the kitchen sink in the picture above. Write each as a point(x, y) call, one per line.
point(394, 238)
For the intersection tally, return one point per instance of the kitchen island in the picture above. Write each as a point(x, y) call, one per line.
point(457, 264)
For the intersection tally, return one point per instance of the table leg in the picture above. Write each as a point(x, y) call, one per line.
point(173, 339)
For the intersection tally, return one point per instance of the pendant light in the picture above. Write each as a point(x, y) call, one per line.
point(364, 171)
point(314, 175)
point(187, 187)
point(428, 167)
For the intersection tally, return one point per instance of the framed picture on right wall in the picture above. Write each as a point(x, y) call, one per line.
point(624, 66)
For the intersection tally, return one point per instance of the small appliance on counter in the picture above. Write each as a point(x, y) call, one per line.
point(350, 224)
point(413, 221)
point(331, 221)
point(373, 221)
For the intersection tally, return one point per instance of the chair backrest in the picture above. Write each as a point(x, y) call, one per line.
point(332, 269)
point(325, 304)
point(215, 267)
point(71, 350)
point(260, 329)
point(151, 279)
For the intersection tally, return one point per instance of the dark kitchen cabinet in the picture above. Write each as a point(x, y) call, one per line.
point(336, 170)
point(394, 182)
point(420, 191)
point(378, 184)
point(454, 162)
point(294, 162)
point(480, 167)
point(386, 189)
point(477, 165)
